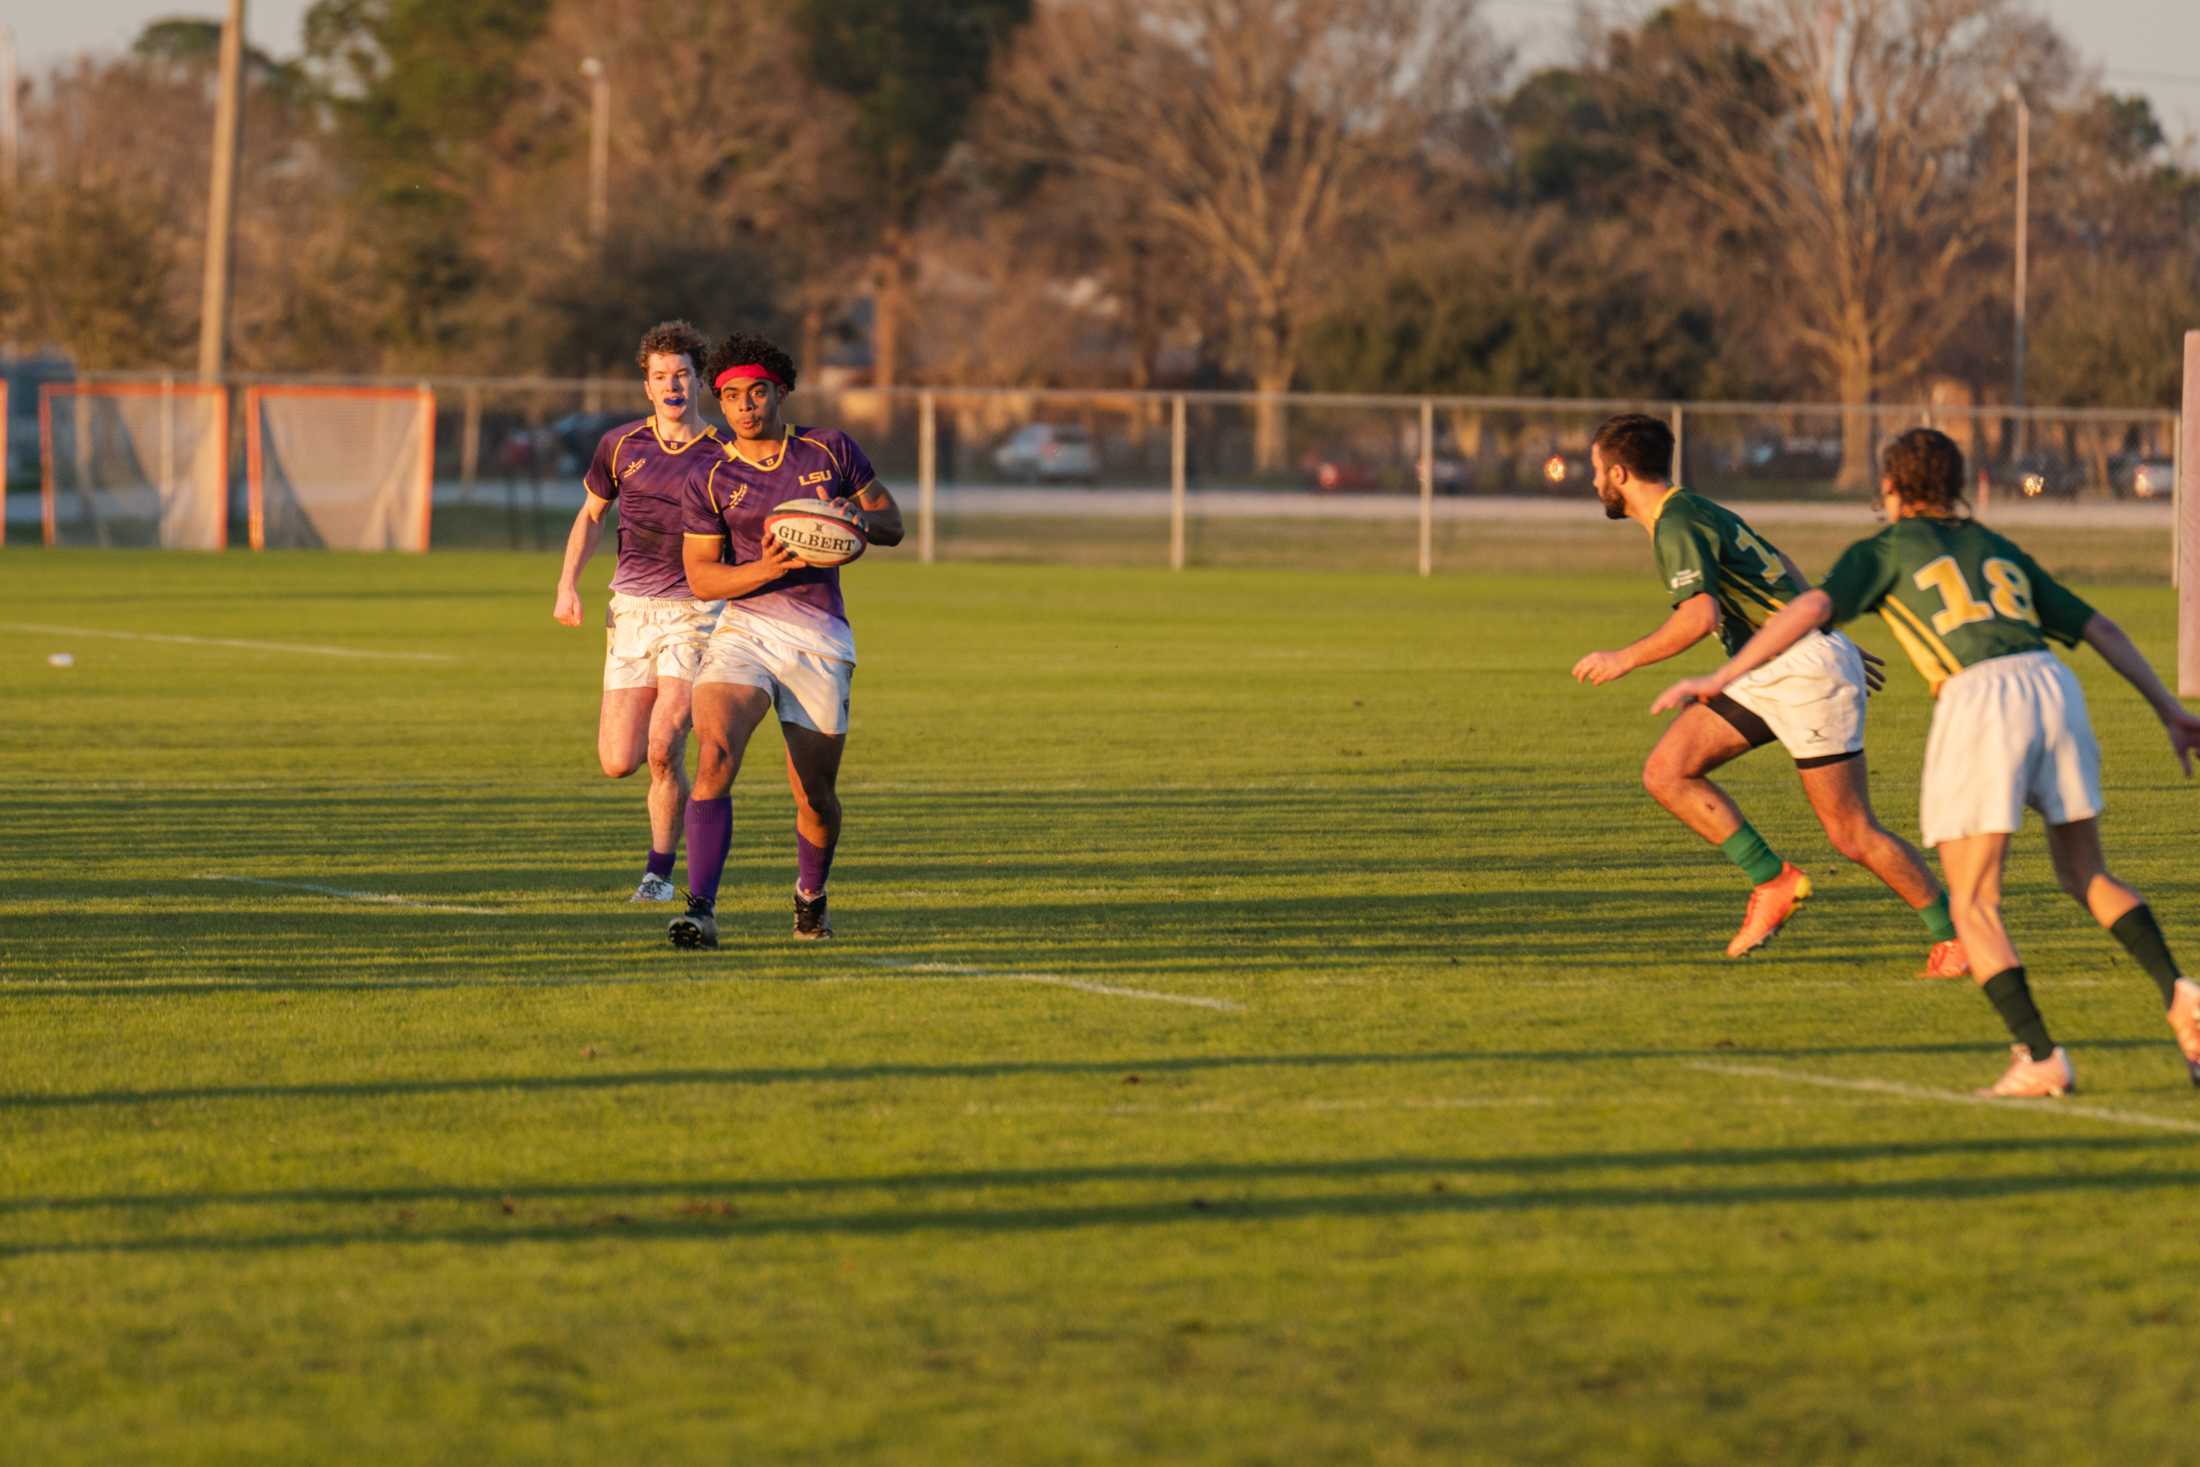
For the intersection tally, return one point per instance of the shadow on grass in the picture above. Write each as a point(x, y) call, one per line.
point(1226, 1173)
point(1433, 1195)
point(1113, 1070)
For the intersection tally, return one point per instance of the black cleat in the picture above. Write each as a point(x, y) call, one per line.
point(810, 924)
point(697, 928)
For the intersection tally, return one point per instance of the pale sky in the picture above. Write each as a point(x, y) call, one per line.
point(2150, 46)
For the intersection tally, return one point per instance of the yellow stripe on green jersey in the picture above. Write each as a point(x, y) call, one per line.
point(1955, 593)
point(1704, 548)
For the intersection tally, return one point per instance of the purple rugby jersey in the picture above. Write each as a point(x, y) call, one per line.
point(803, 608)
point(648, 481)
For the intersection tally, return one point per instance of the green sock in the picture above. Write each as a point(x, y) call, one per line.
point(2011, 997)
point(2141, 936)
point(1939, 926)
point(1747, 849)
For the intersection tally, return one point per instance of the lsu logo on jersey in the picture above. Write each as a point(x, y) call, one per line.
point(631, 468)
point(817, 478)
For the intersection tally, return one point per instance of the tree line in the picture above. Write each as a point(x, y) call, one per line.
point(1721, 199)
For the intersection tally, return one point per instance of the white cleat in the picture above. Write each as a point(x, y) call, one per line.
point(2031, 1079)
point(655, 888)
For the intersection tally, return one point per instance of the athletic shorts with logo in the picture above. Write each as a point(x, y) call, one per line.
point(808, 689)
point(2007, 733)
point(652, 637)
point(1811, 697)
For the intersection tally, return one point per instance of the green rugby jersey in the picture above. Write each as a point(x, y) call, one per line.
point(1955, 594)
point(1704, 548)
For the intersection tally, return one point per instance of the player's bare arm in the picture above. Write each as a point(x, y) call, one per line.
point(881, 515)
point(1787, 626)
point(2118, 651)
point(714, 580)
point(1691, 621)
point(580, 543)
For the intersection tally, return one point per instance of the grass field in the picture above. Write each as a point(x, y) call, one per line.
point(1268, 1025)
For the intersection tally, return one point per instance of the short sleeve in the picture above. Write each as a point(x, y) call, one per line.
point(1859, 580)
point(2063, 613)
point(1687, 561)
point(857, 470)
point(600, 480)
point(699, 505)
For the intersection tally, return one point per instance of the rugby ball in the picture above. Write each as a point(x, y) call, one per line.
point(817, 532)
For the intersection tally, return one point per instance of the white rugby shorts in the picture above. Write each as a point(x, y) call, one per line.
point(1811, 697)
point(807, 689)
point(651, 637)
point(2009, 732)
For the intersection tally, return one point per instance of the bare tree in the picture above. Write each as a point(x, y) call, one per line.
point(1840, 145)
point(1263, 140)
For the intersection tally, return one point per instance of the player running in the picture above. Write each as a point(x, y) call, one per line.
point(655, 623)
point(1722, 577)
point(783, 644)
point(2009, 729)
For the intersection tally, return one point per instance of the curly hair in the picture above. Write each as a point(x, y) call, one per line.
point(743, 349)
point(1926, 469)
point(671, 339)
point(1638, 443)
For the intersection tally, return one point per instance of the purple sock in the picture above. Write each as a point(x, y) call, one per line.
point(812, 865)
point(709, 836)
point(660, 864)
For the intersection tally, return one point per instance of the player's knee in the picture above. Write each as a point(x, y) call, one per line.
point(2077, 885)
point(617, 763)
point(664, 761)
point(1851, 838)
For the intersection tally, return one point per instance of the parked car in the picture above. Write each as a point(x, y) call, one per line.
point(2154, 478)
point(1795, 456)
point(2038, 475)
point(1048, 453)
point(1341, 470)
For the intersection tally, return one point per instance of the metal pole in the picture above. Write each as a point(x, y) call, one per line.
point(2024, 216)
point(221, 205)
point(928, 476)
point(599, 147)
point(1428, 487)
point(1176, 482)
point(2188, 526)
point(1680, 444)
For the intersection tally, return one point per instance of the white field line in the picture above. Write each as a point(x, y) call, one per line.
point(1054, 980)
point(373, 898)
point(2068, 1109)
point(308, 648)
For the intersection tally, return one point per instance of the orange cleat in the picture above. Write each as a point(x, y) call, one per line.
point(1946, 960)
point(1770, 905)
point(2031, 1079)
point(2184, 1022)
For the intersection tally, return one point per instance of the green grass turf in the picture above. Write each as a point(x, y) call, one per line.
point(1487, 1156)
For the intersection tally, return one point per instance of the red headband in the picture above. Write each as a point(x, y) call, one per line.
point(749, 371)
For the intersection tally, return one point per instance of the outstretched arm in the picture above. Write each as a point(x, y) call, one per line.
point(1787, 626)
point(2118, 651)
point(1691, 621)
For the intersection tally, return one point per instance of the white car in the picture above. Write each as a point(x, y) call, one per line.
point(2154, 478)
point(1048, 453)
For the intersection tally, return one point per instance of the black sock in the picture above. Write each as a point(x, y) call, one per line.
point(2141, 936)
point(2011, 997)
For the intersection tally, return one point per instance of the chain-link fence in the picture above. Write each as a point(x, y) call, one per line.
point(1214, 478)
